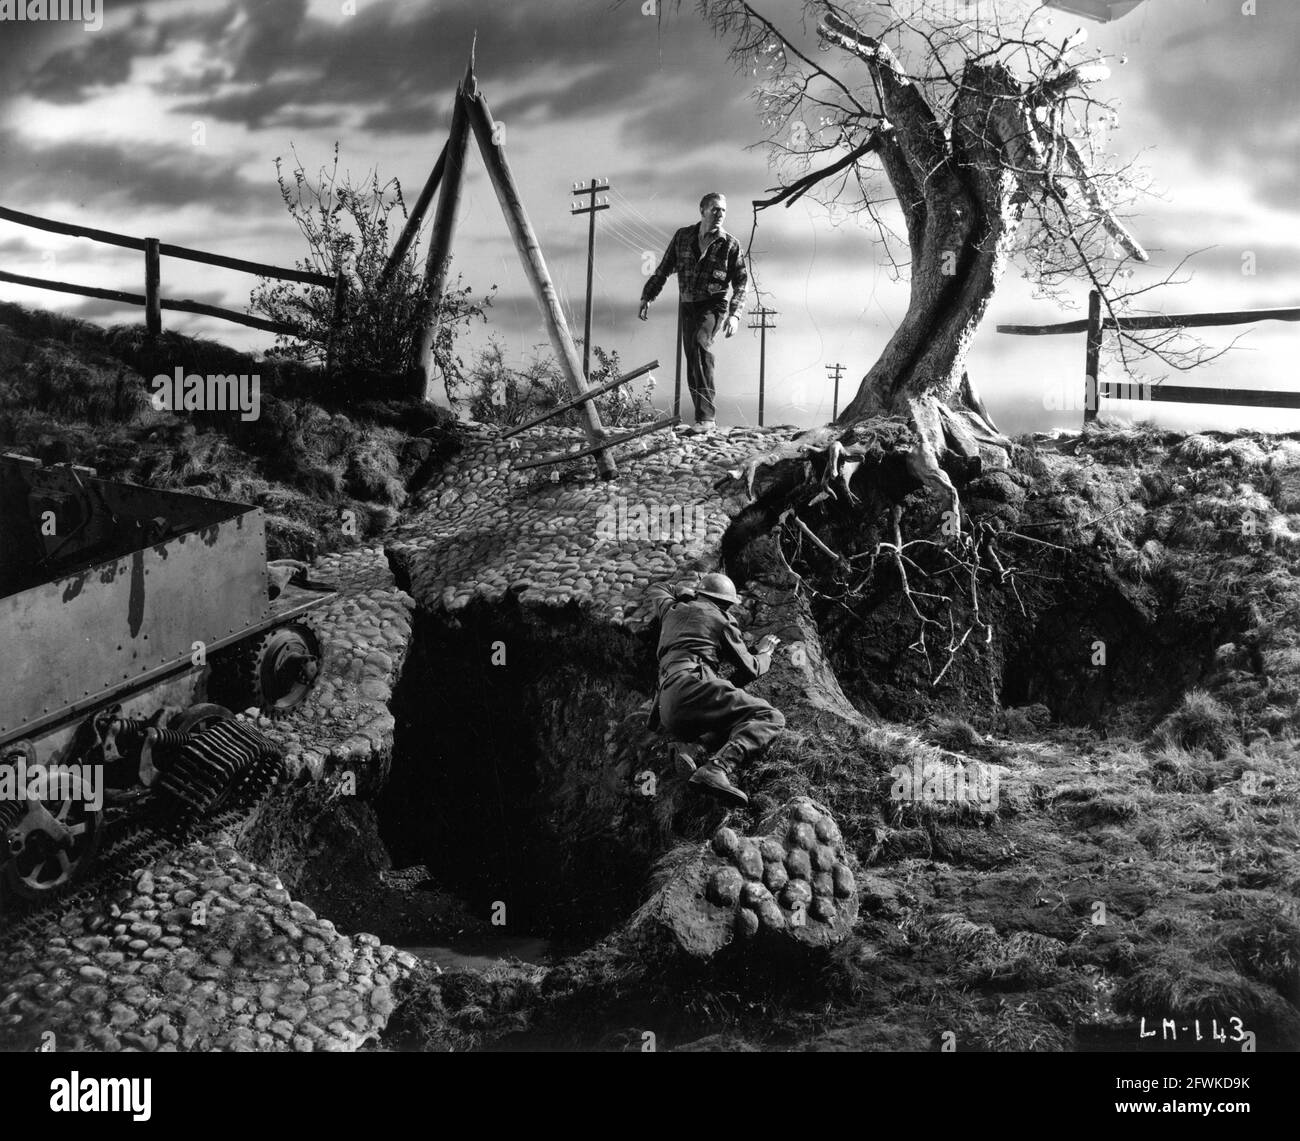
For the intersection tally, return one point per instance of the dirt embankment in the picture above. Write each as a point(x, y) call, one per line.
point(1135, 705)
point(1127, 697)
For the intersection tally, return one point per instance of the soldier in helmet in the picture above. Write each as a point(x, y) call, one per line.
point(693, 702)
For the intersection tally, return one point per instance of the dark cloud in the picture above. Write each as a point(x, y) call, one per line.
point(406, 117)
point(87, 61)
point(17, 245)
point(142, 175)
point(1225, 88)
point(281, 100)
point(383, 60)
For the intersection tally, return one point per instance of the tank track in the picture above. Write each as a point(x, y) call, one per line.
point(227, 762)
point(134, 846)
point(212, 782)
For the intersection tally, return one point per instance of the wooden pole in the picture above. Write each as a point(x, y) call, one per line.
point(152, 283)
point(1092, 362)
point(591, 265)
point(530, 253)
point(762, 313)
point(835, 370)
point(644, 430)
point(590, 394)
point(677, 388)
point(444, 225)
point(412, 226)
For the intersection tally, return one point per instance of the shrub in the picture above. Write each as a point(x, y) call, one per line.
point(346, 228)
point(494, 393)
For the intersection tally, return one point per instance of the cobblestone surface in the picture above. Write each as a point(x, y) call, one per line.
point(201, 951)
point(261, 971)
point(487, 528)
point(366, 630)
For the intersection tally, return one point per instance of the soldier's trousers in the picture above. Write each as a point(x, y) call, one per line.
point(697, 705)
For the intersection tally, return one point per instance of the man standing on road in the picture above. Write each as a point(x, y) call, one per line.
point(708, 261)
point(693, 703)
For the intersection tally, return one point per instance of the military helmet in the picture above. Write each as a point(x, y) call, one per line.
point(719, 587)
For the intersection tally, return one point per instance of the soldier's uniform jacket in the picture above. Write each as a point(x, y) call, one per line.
point(696, 636)
point(695, 632)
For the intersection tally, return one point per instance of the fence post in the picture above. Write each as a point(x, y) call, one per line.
point(1091, 381)
point(336, 321)
point(152, 283)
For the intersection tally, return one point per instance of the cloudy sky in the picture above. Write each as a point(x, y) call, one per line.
point(99, 127)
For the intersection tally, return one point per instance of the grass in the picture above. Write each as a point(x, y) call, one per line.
point(979, 924)
point(331, 468)
point(1199, 721)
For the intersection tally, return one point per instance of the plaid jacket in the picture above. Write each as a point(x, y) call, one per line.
point(722, 264)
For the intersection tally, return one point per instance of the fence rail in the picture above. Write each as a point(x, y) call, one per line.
point(1095, 326)
point(153, 301)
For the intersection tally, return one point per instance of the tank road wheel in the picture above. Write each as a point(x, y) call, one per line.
point(282, 667)
point(43, 866)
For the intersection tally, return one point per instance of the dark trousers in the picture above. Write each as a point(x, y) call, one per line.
point(700, 321)
point(697, 705)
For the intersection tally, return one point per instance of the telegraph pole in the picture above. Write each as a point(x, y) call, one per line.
point(835, 370)
point(761, 315)
point(591, 189)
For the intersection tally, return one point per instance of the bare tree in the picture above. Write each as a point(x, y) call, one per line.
point(992, 145)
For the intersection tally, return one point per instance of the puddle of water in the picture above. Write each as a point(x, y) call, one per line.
point(480, 954)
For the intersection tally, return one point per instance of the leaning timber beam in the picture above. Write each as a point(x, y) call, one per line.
point(590, 394)
point(644, 430)
point(444, 226)
point(530, 253)
point(412, 226)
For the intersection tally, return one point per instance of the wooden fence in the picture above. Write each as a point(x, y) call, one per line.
point(153, 301)
point(1095, 326)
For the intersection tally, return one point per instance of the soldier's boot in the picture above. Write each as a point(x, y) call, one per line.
point(686, 758)
point(714, 778)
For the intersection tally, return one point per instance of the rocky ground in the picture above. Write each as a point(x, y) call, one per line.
point(205, 950)
point(1125, 847)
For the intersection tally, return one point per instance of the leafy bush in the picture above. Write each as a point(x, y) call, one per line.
point(494, 393)
point(346, 228)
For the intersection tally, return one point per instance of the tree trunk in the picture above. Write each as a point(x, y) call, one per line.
point(962, 205)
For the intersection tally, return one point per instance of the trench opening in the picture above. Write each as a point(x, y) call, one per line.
point(1095, 660)
point(500, 782)
point(1081, 648)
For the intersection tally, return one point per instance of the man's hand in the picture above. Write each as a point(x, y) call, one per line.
point(768, 643)
point(644, 311)
point(733, 323)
